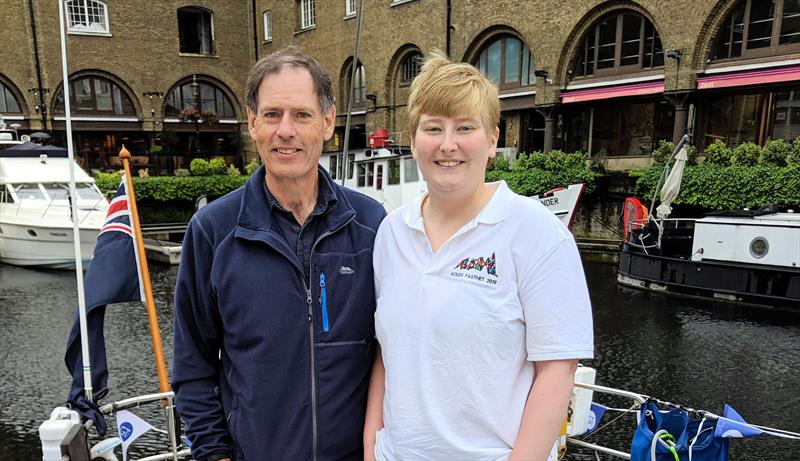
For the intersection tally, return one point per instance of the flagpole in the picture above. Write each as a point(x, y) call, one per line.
point(155, 332)
point(76, 230)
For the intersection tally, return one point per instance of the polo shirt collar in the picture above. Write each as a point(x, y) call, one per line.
point(493, 212)
point(326, 197)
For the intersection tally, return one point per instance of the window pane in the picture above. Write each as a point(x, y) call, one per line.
point(410, 170)
point(607, 30)
point(8, 103)
point(102, 91)
point(362, 173)
point(787, 115)
point(351, 162)
point(636, 129)
point(332, 166)
point(369, 167)
point(394, 171)
point(513, 52)
point(790, 24)
point(57, 191)
point(759, 32)
point(82, 89)
point(87, 191)
point(29, 192)
point(207, 102)
point(267, 25)
point(494, 53)
point(631, 32)
point(733, 119)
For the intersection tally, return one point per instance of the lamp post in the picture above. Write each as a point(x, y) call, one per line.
point(196, 93)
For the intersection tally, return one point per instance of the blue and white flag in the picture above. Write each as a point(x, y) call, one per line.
point(731, 424)
point(112, 277)
point(596, 412)
point(130, 427)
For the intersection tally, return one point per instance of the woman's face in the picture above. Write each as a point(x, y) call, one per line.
point(452, 153)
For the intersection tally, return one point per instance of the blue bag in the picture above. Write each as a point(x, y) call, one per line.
point(678, 437)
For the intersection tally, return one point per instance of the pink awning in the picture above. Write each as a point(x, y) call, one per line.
point(607, 92)
point(757, 77)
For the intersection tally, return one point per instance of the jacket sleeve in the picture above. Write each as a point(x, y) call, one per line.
point(197, 365)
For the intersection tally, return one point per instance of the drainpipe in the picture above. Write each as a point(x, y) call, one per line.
point(255, 29)
point(42, 106)
point(449, 27)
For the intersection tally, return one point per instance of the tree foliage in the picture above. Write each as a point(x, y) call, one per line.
point(537, 172)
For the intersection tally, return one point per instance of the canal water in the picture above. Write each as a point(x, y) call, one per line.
point(701, 354)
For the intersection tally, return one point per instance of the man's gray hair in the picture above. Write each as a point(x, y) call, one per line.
point(289, 56)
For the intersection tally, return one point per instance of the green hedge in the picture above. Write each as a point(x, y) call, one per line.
point(719, 187)
point(171, 188)
point(535, 173)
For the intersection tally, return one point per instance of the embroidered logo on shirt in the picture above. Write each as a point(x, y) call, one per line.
point(345, 270)
point(478, 264)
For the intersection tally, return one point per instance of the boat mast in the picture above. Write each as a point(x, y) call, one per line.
point(353, 71)
point(76, 234)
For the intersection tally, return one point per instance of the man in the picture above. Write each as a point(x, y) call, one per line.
point(274, 300)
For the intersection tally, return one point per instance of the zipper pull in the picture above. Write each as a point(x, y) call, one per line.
point(323, 302)
point(310, 303)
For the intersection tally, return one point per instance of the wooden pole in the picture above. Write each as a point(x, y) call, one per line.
point(155, 332)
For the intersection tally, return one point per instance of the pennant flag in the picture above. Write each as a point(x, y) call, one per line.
point(130, 427)
point(733, 425)
point(596, 412)
point(112, 277)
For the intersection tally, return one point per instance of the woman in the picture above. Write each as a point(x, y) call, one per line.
point(483, 310)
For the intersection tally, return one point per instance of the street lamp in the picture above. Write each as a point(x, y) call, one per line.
point(196, 93)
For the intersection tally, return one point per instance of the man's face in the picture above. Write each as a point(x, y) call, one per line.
point(289, 127)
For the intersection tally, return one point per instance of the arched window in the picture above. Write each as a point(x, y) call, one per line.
point(620, 43)
point(759, 28)
point(210, 99)
point(196, 30)
point(87, 17)
point(8, 103)
point(507, 61)
point(410, 67)
point(95, 95)
point(360, 87)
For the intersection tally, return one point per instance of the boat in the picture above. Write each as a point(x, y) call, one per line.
point(36, 225)
point(390, 175)
point(743, 256)
point(9, 136)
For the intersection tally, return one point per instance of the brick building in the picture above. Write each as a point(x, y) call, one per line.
point(606, 77)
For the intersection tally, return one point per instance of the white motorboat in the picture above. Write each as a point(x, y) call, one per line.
point(390, 176)
point(35, 218)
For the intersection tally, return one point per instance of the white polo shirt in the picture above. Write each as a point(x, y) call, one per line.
point(459, 328)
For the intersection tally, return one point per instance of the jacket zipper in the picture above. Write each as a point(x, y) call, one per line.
point(324, 303)
point(310, 302)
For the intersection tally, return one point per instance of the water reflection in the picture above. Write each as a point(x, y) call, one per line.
point(701, 354)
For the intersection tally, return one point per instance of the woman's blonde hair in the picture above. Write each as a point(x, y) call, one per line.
point(452, 89)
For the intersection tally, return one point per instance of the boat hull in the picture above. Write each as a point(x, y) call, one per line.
point(763, 285)
point(45, 247)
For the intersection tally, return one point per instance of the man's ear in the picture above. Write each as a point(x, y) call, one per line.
point(251, 123)
point(329, 122)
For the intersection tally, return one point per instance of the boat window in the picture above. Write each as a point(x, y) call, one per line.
point(332, 160)
point(370, 178)
point(394, 171)
point(57, 191)
point(410, 170)
point(88, 191)
point(29, 192)
point(351, 161)
point(5, 195)
point(379, 177)
point(361, 181)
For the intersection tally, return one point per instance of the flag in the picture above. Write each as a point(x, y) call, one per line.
point(596, 412)
point(130, 427)
point(733, 425)
point(112, 277)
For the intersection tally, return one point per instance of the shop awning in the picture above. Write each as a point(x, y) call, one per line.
point(757, 77)
point(608, 92)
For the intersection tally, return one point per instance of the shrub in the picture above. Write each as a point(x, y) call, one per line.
point(251, 167)
point(155, 149)
point(794, 157)
point(217, 167)
point(776, 152)
point(200, 167)
point(717, 153)
point(500, 163)
point(233, 171)
point(746, 154)
point(182, 172)
point(107, 182)
point(661, 153)
point(537, 172)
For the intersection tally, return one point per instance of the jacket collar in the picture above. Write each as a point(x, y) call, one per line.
point(254, 212)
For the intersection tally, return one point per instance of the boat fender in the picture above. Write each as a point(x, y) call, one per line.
point(53, 431)
point(104, 450)
point(579, 414)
